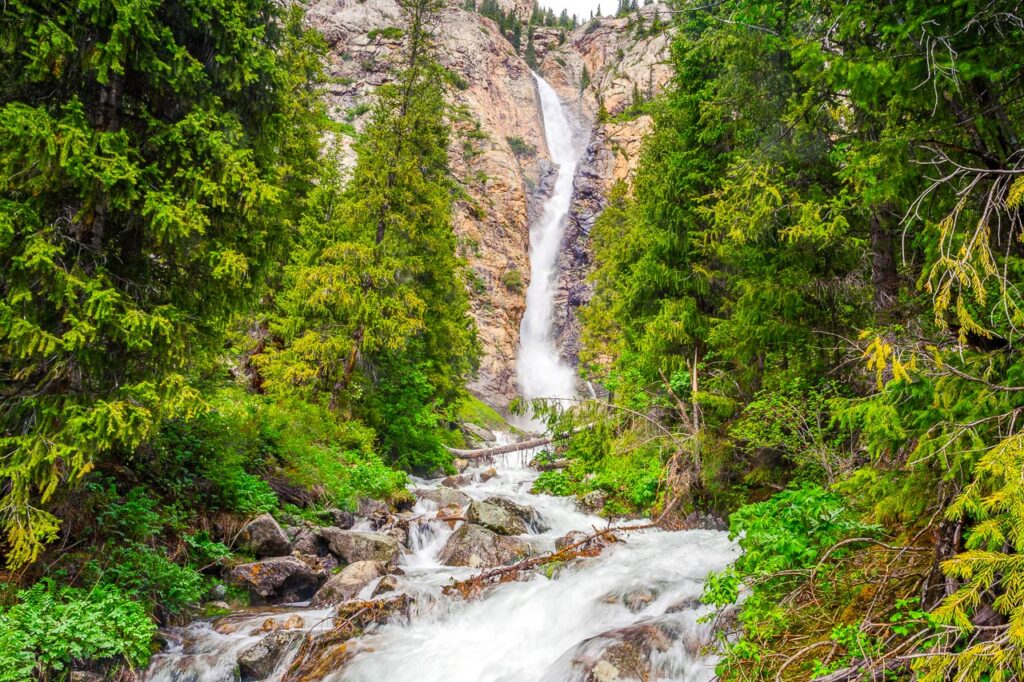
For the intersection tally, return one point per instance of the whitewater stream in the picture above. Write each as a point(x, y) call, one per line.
point(533, 630)
point(545, 628)
point(541, 370)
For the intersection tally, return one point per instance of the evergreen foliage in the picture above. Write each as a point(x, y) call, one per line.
point(812, 279)
point(153, 159)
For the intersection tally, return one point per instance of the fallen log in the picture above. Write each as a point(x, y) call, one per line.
point(502, 449)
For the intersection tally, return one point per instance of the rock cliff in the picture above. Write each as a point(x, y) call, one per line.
point(498, 151)
point(607, 69)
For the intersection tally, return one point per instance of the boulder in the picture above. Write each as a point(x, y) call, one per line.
point(292, 622)
point(444, 497)
point(495, 517)
point(259, 661)
point(264, 537)
point(460, 464)
point(352, 545)
point(306, 540)
point(488, 474)
point(699, 521)
point(527, 515)
point(285, 578)
point(629, 654)
point(571, 538)
point(347, 584)
point(476, 547)
point(456, 481)
point(592, 502)
point(478, 433)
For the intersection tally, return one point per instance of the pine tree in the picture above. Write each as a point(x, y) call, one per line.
point(153, 158)
point(373, 311)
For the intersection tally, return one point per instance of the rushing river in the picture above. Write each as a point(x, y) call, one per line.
point(525, 631)
point(541, 629)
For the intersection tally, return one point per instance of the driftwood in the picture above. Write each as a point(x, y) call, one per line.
point(591, 545)
point(515, 447)
point(501, 449)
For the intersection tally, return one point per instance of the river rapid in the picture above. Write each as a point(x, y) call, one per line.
point(630, 613)
point(544, 628)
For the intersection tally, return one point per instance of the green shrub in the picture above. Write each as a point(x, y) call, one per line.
point(389, 33)
point(53, 626)
point(147, 575)
point(520, 147)
point(553, 483)
point(512, 279)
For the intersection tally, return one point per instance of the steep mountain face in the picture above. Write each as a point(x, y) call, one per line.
point(607, 68)
point(498, 151)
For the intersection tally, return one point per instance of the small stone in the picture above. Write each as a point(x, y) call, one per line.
point(637, 600)
point(488, 474)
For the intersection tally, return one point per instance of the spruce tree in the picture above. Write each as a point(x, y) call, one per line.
point(153, 158)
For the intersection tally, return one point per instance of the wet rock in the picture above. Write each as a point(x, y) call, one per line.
point(592, 502)
point(460, 464)
point(388, 583)
point(286, 578)
point(341, 518)
point(452, 514)
point(495, 517)
point(264, 537)
point(478, 433)
point(217, 592)
point(573, 537)
point(259, 661)
point(399, 534)
point(444, 497)
point(699, 521)
point(637, 600)
point(292, 622)
point(347, 584)
point(685, 604)
point(374, 511)
point(488, 474)
point(352, 545)
point(477, 547)
point(456, 481)
point(306, 540)
point(628, 654)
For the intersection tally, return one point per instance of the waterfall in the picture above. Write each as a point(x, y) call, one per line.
point(542, 372)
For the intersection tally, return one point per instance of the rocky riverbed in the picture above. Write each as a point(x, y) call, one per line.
point(363, 599)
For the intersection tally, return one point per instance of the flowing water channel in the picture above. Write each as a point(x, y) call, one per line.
point(542, 372)
point(540, 629)
point(547, 628)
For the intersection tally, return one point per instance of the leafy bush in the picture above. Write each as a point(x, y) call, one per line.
point(553, 483)
point(147, 575)
point(53, 626)
point(512, 280)
point(520, 147)
point(388, 33)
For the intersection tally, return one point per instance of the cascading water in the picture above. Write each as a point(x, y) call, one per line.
point(640, 594)
point(542, 372)
point(543, 629)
